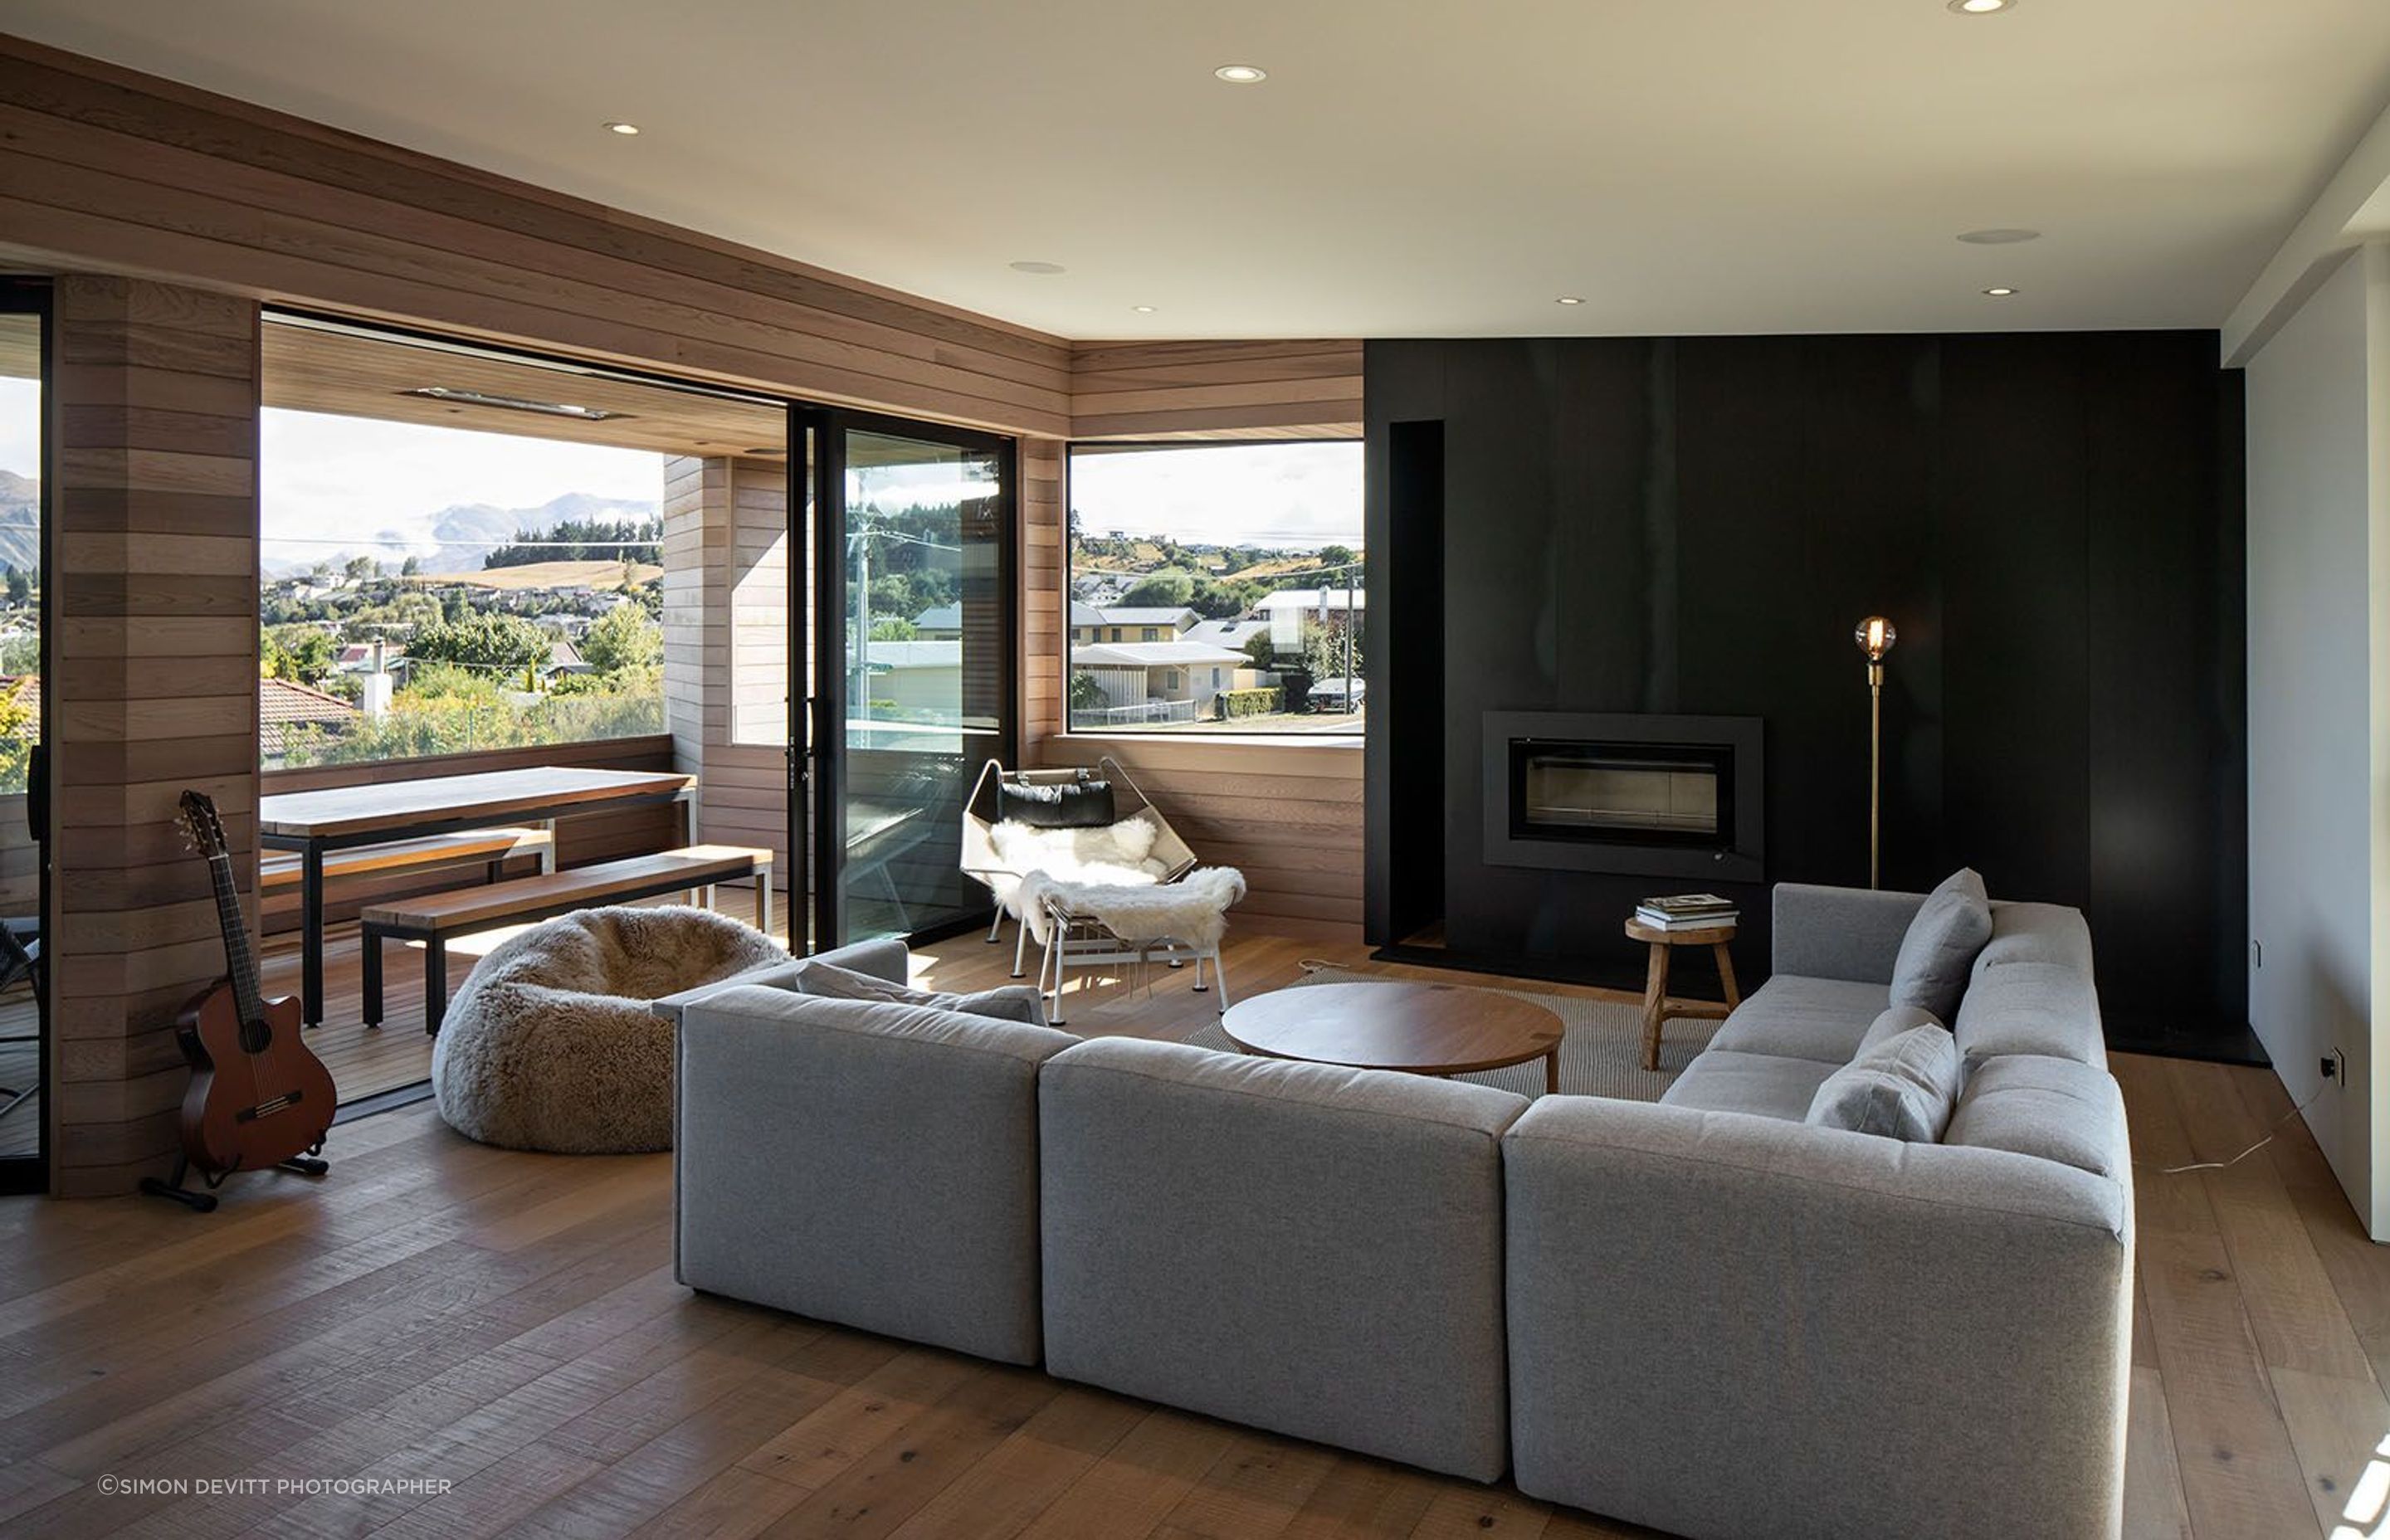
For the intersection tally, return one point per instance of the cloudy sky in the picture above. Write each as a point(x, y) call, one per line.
point(333, 483)
point(20, 425)
point(1297, 496)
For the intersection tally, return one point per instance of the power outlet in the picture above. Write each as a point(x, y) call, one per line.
point(2334, 1067)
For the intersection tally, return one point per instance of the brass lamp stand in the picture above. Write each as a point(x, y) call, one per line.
point(1875, 637)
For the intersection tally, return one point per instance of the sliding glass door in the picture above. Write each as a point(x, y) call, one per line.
point(24, 868)
point(914, 689)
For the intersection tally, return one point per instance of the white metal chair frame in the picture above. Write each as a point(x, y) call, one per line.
point(981, 863)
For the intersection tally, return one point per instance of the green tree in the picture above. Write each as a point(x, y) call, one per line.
point(623, 638)
point(1168, 588)
point(411, 567)
point(361, 568)
point(893, 628)
point(1086, 694)
point(1324, 655)
point(1262, 650)
point(20, 588)
point(21, 725)
point(493, 643)
point(1336, 555)
point(303, 654)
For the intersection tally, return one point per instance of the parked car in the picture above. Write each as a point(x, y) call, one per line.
point(1338, 695)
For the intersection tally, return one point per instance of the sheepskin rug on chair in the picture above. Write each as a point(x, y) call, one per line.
point(551, 1044)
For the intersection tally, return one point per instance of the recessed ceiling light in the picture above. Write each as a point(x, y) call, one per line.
point(1999, 237)
point(1567, 299)
point(1980, 7)
point(1142, 310)
point(2000, 293)
point(1038, 267)
point(622, 128)
point(1241, 74)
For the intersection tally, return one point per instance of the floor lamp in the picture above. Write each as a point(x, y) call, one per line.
point(1875, 637)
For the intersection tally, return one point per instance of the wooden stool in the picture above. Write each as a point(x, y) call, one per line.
point(1657, 1006)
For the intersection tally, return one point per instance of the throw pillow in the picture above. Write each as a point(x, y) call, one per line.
point(1011, 1003)
point(1068, 804)
point(1892, 1024)
point(1939, 950)
point(1902, 1088)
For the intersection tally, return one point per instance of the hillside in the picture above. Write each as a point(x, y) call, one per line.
point(20, 521)
point(454, 539)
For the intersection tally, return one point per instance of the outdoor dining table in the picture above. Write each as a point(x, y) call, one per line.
point(313, 823)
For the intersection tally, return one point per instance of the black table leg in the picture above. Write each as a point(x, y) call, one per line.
point(435, 984)
point(311, 940)
point(371, 945)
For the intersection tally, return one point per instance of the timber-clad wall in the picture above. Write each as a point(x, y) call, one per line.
point(154, 654)
point(1287, 814)
point(111, 169)
point(1259, 390)
point(202, 208)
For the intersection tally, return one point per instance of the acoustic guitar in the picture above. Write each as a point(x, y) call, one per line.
point(259, 1095)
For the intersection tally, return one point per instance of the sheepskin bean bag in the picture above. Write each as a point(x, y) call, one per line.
point(551, 1044)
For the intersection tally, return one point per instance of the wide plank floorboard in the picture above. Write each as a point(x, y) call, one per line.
point(507, 1324)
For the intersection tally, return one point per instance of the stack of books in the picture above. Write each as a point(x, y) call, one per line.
point(1687, 911)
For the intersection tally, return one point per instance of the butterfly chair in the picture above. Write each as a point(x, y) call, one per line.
point(1058, 821)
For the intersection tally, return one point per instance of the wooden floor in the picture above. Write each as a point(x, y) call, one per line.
point(438, 1311)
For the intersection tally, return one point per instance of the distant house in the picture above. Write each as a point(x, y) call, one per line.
point(916, 676)
point(1145, 674)
point(943, 623)
point(1134, 623)
point(564, 658)
point(283, 704)
point(1233, 634)
point(1289, 610)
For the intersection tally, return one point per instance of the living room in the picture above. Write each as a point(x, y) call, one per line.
point(932, 769)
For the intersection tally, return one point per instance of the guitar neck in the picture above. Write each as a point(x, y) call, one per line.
point(239, 961)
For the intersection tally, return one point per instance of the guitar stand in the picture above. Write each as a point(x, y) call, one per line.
point(205, 1202)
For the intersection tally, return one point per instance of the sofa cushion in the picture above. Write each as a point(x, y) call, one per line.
point(888, 958)
point(1795, 1017)
point(2037, 932)
point(1895, 1021)
point(1007, 1003)
point(1768, 1086)
point(1939, 949)
point(2032, 1008)
point(2056, 1109)
point(862, 1162)
point(1902, 1088)
point(1303, 1247)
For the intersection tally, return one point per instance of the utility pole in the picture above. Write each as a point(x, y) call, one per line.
point(1349, 621)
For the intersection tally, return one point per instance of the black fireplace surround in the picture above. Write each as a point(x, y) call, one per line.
point(1641, 794)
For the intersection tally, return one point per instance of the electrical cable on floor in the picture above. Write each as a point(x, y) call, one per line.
point(2223, 1165)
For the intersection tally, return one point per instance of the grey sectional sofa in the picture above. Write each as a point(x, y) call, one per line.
point(1705, 1314)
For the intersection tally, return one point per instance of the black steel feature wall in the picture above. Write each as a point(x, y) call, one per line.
point(1694, 525)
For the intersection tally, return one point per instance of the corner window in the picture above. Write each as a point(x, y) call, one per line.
point(1239, 569)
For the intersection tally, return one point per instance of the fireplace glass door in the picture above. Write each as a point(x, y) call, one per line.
point(1621, 792)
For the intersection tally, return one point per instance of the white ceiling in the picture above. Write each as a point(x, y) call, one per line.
point(1409, 168)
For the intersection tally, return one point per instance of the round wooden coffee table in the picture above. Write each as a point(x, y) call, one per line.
point(1385, 1024)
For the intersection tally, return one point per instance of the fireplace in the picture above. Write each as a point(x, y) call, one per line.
point(1657, 796)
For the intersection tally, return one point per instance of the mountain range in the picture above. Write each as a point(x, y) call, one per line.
point(456, 538)
point(20, 521)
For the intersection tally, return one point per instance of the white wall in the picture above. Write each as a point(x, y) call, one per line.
point(2316, 620)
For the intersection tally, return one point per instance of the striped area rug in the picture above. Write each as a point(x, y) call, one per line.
point(1602, 1054)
